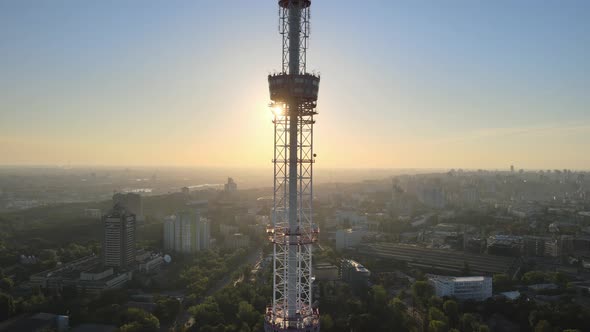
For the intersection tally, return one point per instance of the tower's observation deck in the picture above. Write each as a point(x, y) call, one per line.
point(293, 95)
point(285, 87)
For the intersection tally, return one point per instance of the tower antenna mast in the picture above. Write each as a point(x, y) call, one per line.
point(293, 94)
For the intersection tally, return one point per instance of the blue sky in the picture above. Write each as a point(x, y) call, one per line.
point(430, 84)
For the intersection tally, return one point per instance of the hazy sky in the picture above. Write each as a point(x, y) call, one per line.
point(429, 84)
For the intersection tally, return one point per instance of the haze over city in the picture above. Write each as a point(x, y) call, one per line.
point(408, 84)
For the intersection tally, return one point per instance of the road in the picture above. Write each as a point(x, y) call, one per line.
point(252, 258)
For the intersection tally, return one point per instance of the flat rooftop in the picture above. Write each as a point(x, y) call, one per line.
point(467, 279)
point(456, 279)
point(356, 265)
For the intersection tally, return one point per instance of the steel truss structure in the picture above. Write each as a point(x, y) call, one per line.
point(292, 231)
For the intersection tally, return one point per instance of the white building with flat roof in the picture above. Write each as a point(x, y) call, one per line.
point(347, 238)
point(463, 288)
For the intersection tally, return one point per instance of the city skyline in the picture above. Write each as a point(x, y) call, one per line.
point(471, 85)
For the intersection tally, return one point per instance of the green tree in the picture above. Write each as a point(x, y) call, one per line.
point(217, 328)
point(247, 313)
point(326, 322)
point(131, 327)
point(107, 314)
point(435, 314)
point(435, 301)
point(437, 326)
point(377, 301)
point(245, 328)
point(7, 307)
point(451, 309)
point(167, 308)
point(543, 326)
point(365, 322)
point(134, 318)
point(483, 328)
point(398, 320)
point(6, 284)
point(558, 278)
point(469, 322)
point(534, 277)
point(422, 291)
point(207, 313)
point(501, 282)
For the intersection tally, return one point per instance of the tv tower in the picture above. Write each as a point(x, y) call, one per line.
point(293, 94)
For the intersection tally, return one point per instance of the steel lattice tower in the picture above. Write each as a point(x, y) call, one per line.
point(293, 94)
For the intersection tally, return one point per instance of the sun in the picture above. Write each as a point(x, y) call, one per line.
point(277, 110)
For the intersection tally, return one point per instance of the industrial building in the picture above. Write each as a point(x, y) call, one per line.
point(442, 260)
point(462, 288)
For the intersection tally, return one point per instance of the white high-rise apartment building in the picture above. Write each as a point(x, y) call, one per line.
point(169, 224)
point(186, 232)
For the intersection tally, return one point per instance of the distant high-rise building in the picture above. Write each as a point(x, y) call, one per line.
point(93, 213)
point(512, 168)
point(432, 196)
point(132, 202)
point(186, 232)
point(230, 186)
point(169, 223)
point(119, 238)
point(205, 232)
point(202, 206)
point(470, 195)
